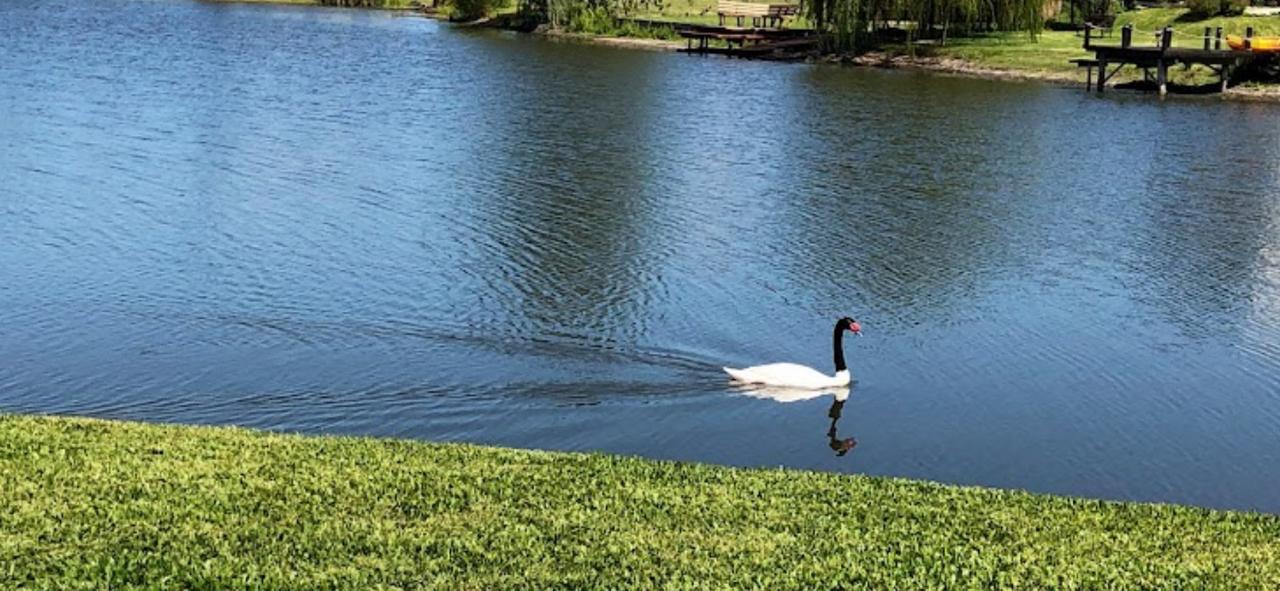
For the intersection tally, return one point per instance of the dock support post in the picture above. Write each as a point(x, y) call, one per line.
point(1102, 76)
point(1162, 67)
point(1088, 35)
point(1217, 38)
point(1126, 36)
point(1162, 75)
point(1248, 38)
point(1207, 30)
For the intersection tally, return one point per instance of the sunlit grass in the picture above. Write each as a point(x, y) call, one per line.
point(1049, 53)
point(701, 12)
point(1189, 31)
point(106, 505)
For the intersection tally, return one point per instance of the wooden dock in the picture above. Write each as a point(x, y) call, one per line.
point(746, 42)
point(1155, 60)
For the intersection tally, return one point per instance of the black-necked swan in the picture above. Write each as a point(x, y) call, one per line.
point(793, 375)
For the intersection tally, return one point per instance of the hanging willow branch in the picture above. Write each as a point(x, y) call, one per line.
point(849, 22)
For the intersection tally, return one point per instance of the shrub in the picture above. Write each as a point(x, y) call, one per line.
point(587, 16)
point(1203, 8)
point(593, 20)
point(600, 20)
point(1234, 7)
point(469, 10)
point(1209, 8)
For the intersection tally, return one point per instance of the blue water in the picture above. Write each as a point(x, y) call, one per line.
point(343, 221)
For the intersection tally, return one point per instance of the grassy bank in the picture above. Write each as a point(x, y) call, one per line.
point(1045, 56)
point(999, 55)
point(93, 504)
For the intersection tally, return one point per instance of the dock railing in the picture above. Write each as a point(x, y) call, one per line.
point(1162, 53)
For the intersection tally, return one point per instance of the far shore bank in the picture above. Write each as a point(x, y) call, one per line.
point(934, 60)
point(946, 65)
point(395, 5)
point(960, 67)
point(108, 504)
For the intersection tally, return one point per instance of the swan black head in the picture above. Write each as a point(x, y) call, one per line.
point(850, 325)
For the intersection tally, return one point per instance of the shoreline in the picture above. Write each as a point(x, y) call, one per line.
point(942, 65)
point(317, 4)
point(623, 42)
point(881, 59)
point(950, 65)
point(960, 67)
point(102, 503)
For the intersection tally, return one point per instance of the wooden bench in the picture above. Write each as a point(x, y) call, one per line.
point(740, 10)
point(779, 12)
point(770, 15)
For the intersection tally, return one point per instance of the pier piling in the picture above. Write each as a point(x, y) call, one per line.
point(1108, 60)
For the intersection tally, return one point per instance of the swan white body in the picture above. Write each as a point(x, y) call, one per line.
point(794, 375)
point(789, 375)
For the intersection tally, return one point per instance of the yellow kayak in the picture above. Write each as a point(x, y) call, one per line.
point(1257, 44)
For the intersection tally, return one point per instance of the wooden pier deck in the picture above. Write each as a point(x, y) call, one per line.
point(750, 41)
point(1109, 59)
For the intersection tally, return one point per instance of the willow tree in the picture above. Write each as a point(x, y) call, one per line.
point(850, 23)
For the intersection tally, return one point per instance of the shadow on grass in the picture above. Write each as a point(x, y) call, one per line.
point(1188, 17)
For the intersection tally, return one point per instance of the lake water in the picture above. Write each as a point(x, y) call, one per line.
point(343, 221)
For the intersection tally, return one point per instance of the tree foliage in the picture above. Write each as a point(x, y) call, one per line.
point(851, 23)
point(585, 15)
point(1210, 8)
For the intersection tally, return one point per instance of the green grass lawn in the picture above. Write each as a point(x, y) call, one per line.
point(1048, 54)
point(1189, 31)
point(90, 504)
point(685, 11)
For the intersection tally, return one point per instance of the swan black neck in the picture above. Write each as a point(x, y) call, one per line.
point(837, 343)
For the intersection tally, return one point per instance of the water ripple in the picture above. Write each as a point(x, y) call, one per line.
point(334, 220)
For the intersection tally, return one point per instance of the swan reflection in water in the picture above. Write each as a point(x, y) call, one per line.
point(838, 398)
point(840, 446)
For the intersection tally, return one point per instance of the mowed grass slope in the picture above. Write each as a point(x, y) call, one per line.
point(1189, 32)
point(1049, 53)
point(89, 504)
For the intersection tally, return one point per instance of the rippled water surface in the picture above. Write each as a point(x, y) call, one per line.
point(358, 222)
